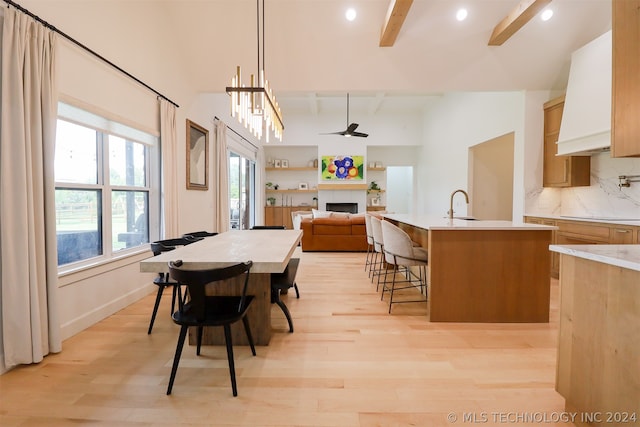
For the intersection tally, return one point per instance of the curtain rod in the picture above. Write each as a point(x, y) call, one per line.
point(77, 43)
point(243, 138)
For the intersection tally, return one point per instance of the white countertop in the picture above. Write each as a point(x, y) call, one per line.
point(606, 220)
point(434, 222)
point(625, 256)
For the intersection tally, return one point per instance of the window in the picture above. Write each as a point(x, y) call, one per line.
point(105, 200)
point(241, 192)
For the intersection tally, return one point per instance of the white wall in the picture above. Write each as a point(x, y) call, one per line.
point(461, 120)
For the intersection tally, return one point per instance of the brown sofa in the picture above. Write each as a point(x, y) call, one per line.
point(334, 234)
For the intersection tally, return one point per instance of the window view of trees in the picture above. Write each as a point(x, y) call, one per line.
point(102, 193)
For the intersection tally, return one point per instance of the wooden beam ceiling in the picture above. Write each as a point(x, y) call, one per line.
point(515, 20)
point(398, 10)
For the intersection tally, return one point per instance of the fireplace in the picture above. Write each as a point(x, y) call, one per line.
point(343, 207)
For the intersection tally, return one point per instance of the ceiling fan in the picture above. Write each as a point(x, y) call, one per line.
point(351, 127)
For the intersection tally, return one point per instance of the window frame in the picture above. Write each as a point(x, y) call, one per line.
point(152, 168)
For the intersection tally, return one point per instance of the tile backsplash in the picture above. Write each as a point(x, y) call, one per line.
point(602, 199)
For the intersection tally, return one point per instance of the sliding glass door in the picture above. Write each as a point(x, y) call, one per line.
point(242, 174)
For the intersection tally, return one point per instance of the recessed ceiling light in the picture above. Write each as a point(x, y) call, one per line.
point(351, 14)
point(546, 15)
point(461, 14)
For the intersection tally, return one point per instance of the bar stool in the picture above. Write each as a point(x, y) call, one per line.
point(400, 252)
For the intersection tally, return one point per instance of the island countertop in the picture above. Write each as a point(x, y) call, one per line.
point(435, 222)
point(626, 256)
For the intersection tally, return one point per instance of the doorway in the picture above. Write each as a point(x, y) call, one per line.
point(399, 189)
point(242, 172)
point(491, 178)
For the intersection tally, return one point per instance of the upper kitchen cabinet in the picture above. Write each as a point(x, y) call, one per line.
point(625, 129)
point(561, 171)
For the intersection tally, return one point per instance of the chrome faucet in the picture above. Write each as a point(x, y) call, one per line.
point(466, 196)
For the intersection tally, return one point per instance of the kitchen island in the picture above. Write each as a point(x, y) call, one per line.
point(598, 370)
point(483, 271)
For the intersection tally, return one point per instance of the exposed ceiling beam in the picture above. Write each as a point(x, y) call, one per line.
point(515, 20)
point(398, 10)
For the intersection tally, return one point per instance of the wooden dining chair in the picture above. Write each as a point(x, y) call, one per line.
point(211, 310)
point(163, 281)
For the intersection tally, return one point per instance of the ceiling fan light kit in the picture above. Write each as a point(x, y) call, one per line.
point(351, 127)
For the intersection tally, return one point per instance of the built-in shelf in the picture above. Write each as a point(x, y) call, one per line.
point(304, 168)
point(294, 190)
point(376, 208)
point(376, 169)
point(342, 186)
point(375, 191)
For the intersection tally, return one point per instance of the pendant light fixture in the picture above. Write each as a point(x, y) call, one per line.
point(255, 106)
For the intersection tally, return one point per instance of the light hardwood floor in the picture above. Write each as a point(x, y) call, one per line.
point(348, 363)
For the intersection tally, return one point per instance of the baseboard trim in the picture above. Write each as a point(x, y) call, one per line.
point(92, 317)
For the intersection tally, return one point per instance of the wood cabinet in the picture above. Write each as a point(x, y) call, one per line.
point(281, 215)
point(621, 235)
point(585, 233)
point(561, 171)
point(555, 258)
point(577, 233)
point(598, 346)
point(625, 108)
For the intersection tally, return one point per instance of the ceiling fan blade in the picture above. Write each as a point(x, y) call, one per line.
point(360, 134)
point(334, 133)
point(351, 127)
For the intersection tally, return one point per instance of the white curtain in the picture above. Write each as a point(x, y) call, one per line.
point(29, 273)
point(169, 146)
point(222, 181)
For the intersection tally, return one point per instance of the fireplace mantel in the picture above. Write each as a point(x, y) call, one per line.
point(342, 187)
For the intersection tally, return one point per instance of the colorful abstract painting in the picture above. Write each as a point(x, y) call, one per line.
point(342, 168)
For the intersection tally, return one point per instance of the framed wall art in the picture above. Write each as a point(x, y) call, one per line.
point(197, 157)
point(342, 168)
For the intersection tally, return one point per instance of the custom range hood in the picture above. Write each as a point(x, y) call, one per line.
point(586, 120)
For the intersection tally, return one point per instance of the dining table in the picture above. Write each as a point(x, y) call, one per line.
point(270, 252)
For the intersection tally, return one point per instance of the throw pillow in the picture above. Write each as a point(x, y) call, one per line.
point(298, 219)
point(320, 214)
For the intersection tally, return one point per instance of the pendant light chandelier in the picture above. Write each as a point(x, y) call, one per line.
point(256, 106)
